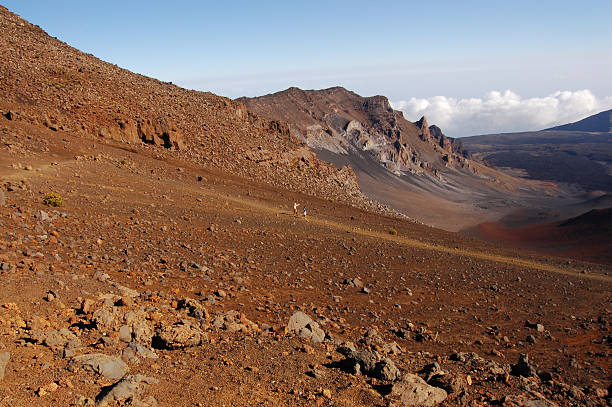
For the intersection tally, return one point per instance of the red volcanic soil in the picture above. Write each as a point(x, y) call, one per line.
point(585, 237)
point(172, 269)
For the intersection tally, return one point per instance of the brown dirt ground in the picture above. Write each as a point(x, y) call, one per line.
point(136, 213)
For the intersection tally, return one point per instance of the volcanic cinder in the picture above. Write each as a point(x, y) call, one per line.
point(149, 255)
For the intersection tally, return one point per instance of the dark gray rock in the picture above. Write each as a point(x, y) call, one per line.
point(369, 363)
point(453, 384)
point(386, 370)
point(523, 367)
point(367, 359)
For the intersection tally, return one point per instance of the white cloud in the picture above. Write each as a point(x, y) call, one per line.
point(500, 112)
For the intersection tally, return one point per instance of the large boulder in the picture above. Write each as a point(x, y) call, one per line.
point(62, 338)
point(178, 336)
point(412, 391)
point(304, 326)
point(128, 391)
point(110, 367)
point(369, 363)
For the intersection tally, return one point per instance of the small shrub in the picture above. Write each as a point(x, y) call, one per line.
point(392, 232)
point(53, 199)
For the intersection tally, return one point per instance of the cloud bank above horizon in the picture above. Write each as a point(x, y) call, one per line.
point(503, 112)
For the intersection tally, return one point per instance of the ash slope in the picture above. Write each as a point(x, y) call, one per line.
point(587, 236)
point(412, 167)
point(47, 83)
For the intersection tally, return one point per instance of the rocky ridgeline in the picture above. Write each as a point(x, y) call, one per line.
point(47, 83)
point(342, 122)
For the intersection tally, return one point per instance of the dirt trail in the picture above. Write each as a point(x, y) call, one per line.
point(39, 170)
point(313, 220)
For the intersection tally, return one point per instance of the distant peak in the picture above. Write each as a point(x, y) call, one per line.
point(600, 122)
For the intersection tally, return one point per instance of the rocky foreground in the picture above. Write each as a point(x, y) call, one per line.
point(160, 282)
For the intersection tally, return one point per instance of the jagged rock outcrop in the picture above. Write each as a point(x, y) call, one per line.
point(159, 132)
point(343, 122)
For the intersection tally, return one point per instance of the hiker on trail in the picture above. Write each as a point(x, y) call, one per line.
point(304, 211)
point(295, 206)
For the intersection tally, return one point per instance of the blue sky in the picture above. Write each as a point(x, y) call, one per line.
point(404, 50)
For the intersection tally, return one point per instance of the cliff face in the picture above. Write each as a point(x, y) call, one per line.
point(343, 122)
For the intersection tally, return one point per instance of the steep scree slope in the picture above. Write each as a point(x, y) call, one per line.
point(48, 83)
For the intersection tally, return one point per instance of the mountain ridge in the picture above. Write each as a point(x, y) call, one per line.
point(338, 120)
point(578, 154)
point(412, 167)
point(47, 83)
point(598, 123)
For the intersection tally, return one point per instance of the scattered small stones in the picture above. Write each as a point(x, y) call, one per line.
point(523, 401)
point(194, 308)
point(234, 321)
point(42, 216)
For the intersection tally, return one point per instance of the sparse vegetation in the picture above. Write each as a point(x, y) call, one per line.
point(53, 199)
